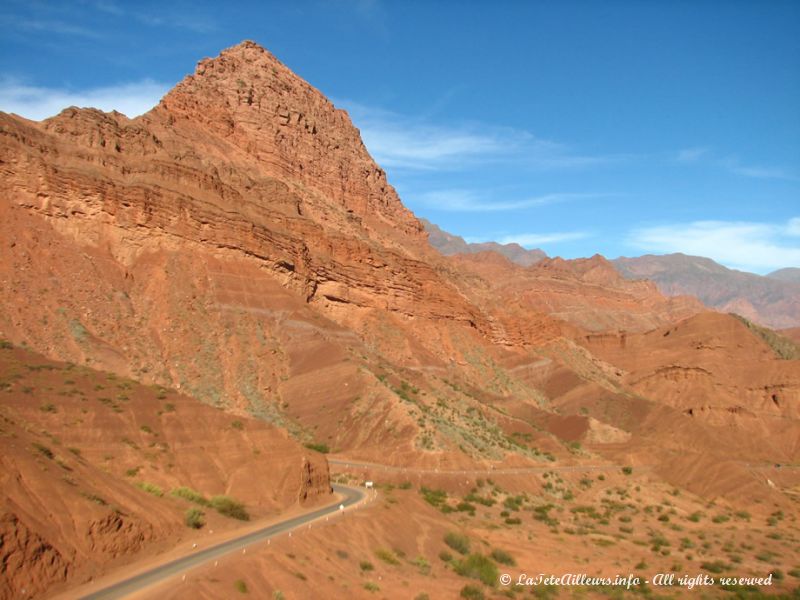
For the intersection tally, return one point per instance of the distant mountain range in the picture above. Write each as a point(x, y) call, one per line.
point(449, 244)
point(772, 300)
point(790, 274)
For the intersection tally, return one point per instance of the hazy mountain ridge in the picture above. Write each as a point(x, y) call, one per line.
point(772, 300)
point(449, 244)
point(790, 274)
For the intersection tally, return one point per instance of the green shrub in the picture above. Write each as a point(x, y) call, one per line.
point(371, 586)
point(189, 494)
point(765, 556)
point(387, 556)
point(240, 586)
point(627, 470)
point(479, 499)
point(365, 565)
point(43, 450)
point(194, 518)
point(503, 557)
point(472, 592)
point(478, 566)
point(150, 488)
point(237, 425)
point(457, 541)
point(229, 507)
point(94, 498)
point(433, 497)
point(133, 472)
point(445, 556)
point(422, 564)
point(715, 567)
point(48, 408)
point(323, 448)
point(720, 519)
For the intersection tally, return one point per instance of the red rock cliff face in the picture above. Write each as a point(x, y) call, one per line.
point(248, 98)
point(238, 228)
point(241, 155)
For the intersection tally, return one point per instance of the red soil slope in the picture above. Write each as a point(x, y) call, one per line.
point(73, 444)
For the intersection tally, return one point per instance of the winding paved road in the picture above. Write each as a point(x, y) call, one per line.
point(157, 574)
point(351, 496)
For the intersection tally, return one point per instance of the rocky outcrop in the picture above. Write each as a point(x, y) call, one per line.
point(314, 480)
point(114, 534)
point(249, 99)
point(29, 563)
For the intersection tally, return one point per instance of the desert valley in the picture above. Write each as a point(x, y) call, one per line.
point(213, 313)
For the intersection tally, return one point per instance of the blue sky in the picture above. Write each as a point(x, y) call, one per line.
point(618, 127)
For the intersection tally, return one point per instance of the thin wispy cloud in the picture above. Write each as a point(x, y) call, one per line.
point(46, 25)
point(416, 143)
point(704, 155)
point(691, 154)
point(396, 141)
point(759, 172)
point(53, 18)
point(464, 200)
point(749, 246)
point(37, 103)
point(542, 239)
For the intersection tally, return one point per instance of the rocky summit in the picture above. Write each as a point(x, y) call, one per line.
point(202, 301)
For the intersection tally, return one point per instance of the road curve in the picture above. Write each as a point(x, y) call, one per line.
point(157, 574)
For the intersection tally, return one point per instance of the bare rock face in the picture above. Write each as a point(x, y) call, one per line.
point(248, 98)
point(245, 156)
point(30, 564)
point(314, 480)
point(114, 534)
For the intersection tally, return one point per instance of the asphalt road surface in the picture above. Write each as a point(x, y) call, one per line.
point(180, 565)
